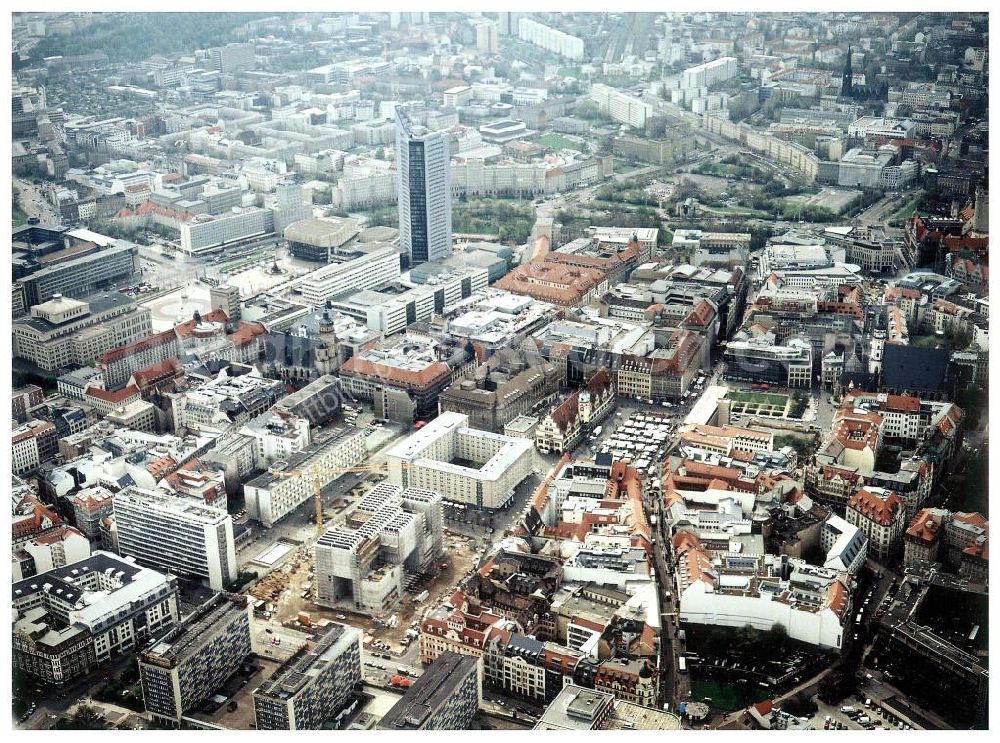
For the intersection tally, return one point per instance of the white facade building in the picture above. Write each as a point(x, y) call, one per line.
point(288, 484)
point(812, 603)
point(205, 232)
point(379, 266)
point(70, 620)
point(623, 108)
point(550, 39)
point(709, 73)
point(176, 534)
point(467, 466)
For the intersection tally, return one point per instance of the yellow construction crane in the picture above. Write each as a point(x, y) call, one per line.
point(317, 474)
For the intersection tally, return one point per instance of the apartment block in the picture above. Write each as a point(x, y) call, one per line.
point(550, 39)
point(623, 108)
point(313, 684)
point(189, 663)
point(445, 697)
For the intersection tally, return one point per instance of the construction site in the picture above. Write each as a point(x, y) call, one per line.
point(289, 593)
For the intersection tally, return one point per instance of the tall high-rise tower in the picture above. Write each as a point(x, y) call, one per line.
point(847, 82)
point(424, 178)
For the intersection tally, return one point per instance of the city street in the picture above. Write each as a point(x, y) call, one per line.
point(34, 204)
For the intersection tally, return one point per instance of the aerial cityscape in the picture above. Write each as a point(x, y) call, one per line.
point(500, 371)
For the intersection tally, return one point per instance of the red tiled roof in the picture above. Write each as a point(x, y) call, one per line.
point(186, 329)
point(837, 598)
point(873, 507)
point(979, 550)
point(156, 372)
point(57, 535)
point(923, 528)
point(588, 623)
point(247, 332)
point(113, 397)
point(151, 342)
point(536, 279)
point(598, 384)
point(972, 518)
point(565, 413)
point(902, 403)
point(701, 314)
point(38, 512)
point(436, 371)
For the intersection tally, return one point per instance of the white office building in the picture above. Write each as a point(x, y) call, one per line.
point(290, 483)
point(205, 232)
point(176, 534)
point(376, 267)
point(467, 466)
point(736, 590)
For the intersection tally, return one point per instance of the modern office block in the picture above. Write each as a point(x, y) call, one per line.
point(194, 659)
point(424, 175)
point(361, 562)
point(176, 534)
point(367, 270)
point(285, 486)
point(314, 684)
point(445, 697)
point(475, 468)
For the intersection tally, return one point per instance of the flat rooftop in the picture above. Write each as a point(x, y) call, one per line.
point(196, 630)
point(429, 692)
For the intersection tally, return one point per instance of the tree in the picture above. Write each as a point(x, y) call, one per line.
point(32, 170)
point(86, 717)
point(837, 684)
point(957, 338)
point(800, 705)
point(775, 639)
point(759, 237)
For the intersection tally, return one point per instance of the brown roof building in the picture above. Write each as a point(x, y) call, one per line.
point(881, 515)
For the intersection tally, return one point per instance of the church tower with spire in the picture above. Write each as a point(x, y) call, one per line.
point(847, 82)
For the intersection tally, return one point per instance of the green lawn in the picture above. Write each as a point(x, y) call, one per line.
point(925, 341)
point(726, 697)
point(907, 211)
point(621, 166)
point(761, 398)
point(558, 141)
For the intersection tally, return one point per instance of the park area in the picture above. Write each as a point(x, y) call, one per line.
point(764, 404)
point(561, 142)
point(768, 404)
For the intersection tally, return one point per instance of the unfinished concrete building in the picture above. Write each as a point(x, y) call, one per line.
point(362, 563)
